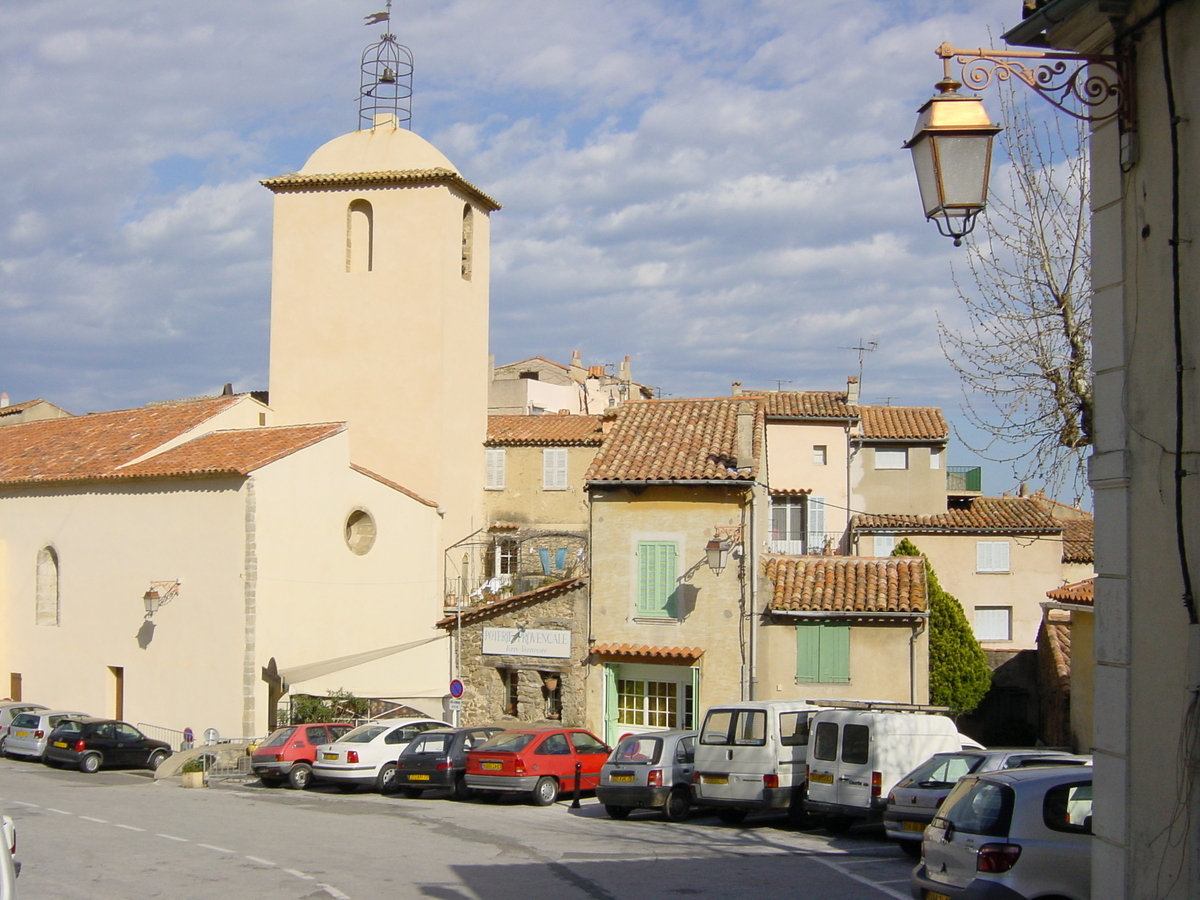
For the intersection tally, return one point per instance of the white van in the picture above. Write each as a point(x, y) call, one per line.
point(751, 755)
point(856, 756)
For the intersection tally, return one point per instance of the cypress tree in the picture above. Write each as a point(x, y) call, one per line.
point(958, 671)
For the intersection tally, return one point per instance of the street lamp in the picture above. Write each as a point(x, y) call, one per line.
point(952, 153)
point(716, 554)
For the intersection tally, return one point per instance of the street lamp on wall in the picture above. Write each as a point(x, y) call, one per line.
point(952, 153)
point(160, 594)
point(716, 554)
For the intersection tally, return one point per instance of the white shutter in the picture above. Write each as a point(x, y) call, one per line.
point(991, 556)
point(816, 524)
point(493, 474)
point(993, 623)
point(554, 469)
point(885, 544)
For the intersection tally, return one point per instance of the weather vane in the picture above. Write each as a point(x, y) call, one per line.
point(385, 85)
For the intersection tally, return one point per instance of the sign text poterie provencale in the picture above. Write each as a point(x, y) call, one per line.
point(527, 642)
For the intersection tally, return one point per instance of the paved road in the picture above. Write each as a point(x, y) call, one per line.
point(122, 836)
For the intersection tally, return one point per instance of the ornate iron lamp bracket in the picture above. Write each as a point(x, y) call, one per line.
point(1091, 87)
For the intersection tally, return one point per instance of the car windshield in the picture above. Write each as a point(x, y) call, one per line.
point(363, 734)
point(638, 750)
point(943, 770)
point(25, 720)
point(278, 737)
point(70, 726)
point(510, 741)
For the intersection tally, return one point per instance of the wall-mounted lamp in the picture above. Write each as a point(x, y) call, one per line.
point(725, 540)
point(160, 594)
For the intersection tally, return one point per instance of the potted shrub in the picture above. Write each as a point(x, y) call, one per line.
point(192, 773)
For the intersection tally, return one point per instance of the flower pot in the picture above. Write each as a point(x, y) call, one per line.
point(193, 779)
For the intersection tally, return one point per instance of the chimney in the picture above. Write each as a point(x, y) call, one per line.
point(745, 436)
point(852, 391)
point(227, 391)
point(3, 400)
point(737, 389)
point(577, 372)
point(623, 373)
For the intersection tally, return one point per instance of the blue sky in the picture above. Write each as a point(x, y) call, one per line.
point(714, 188)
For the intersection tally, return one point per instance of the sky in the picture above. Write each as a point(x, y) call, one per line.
point(716, 188)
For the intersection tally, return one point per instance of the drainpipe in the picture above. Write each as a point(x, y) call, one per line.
point(912, 660)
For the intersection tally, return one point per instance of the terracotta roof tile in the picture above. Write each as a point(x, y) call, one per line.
point(299, 182)
point(1078, 540)
point(1056, 637)
point(235, 452)
point(643, 651)
point(847, 584)
point(1005, 515)
point(487, 610)
point(95, 445)
point(544, 431)
point(804, 404)
point(903, 423)
point(677, 440)
point(392, 484)
point(1081, 593)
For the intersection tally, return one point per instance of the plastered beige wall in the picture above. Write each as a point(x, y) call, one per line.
point(887, 662)
point(790, 464)
point(687, 516)
point(524, 501)
point(917, 490)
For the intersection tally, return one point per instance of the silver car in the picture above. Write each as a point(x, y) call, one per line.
point(650, 771)
point(1022, 833)
point(29, 731)
point(9, 709)
point(912, 803)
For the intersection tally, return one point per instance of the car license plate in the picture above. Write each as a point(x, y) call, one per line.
point(329, 755)
point(493, 767)
point(418, 777)
point(60, 744)
point(715, 779)
point(820, 777)
point(22, 734)
point(914, 826)
point(934, 895)
point(624, 779)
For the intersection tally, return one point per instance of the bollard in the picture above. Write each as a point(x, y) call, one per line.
point(578, 770)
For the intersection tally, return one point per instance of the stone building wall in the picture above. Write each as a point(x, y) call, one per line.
point(489, 679)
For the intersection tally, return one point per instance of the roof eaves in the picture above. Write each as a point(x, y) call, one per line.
point(437, 176)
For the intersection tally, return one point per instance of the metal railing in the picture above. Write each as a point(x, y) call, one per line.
point(964, 478)
point(159, 733)
point(813, 543)
point(228, 759)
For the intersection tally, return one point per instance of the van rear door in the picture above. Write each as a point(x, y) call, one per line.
point(732, 755)
point(852, 784)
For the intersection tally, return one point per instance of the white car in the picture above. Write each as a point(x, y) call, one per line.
point(366, 756)
point(29, 731)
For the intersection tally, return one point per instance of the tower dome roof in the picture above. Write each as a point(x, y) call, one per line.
point(384, 148)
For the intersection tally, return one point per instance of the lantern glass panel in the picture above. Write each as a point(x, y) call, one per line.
point(931, 196)
point(963, 162)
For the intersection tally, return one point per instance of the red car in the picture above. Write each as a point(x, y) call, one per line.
point(288, 754)
point(537, 761)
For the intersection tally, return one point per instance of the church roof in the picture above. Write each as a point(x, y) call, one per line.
point(300, 181)
point(103, 446)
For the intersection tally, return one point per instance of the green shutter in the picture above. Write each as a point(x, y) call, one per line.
point(610, 703)
point(808, 650)
point(835, 652)
point(656, 578)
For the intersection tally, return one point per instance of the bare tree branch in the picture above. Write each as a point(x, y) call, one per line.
point(1024, 357)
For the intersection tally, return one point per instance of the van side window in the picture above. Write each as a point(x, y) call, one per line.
point(825, 746)
point(793, 729)
point(856, 744)
point(716, 727)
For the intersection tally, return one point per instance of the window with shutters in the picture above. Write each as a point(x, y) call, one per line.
point(935, 459)
point(891, 458)
point(656, 579)
point(554, 469)
point(991, 557)
point(820, 454)
point(993, 623)
point(798, 526)
point(819, 541)
point(885, 544)
point(493, 476)
point(823, 652)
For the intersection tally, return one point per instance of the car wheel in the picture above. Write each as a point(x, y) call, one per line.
point(911, 848)
point(300, 777)
point(412, 793)
point(271, 782)
point(460, 791)
point(385, 781)
point(155, 760)
point(545, 791)
point(617, 812)
point(838, 824)
point(90, 763)
point(678, 805)
point(732, 816)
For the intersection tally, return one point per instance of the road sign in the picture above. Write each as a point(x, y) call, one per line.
point(456, 688)
point(454, 704)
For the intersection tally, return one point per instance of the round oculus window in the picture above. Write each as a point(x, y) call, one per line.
point(360, 531)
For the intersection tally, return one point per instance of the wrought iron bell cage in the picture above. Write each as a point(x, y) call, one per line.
point(386, 83)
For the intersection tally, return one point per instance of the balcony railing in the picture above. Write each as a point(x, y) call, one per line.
point(964, 478)
point(814, 543)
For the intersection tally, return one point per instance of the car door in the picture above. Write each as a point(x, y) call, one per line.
point(591, 753)
point(104, 739)
point(853, 785)
point(314, 737)
point(131, 749)
point(685, 760)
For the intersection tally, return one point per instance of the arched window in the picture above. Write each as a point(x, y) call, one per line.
point(47, 587)
point(359, 237)
point(468, 240)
